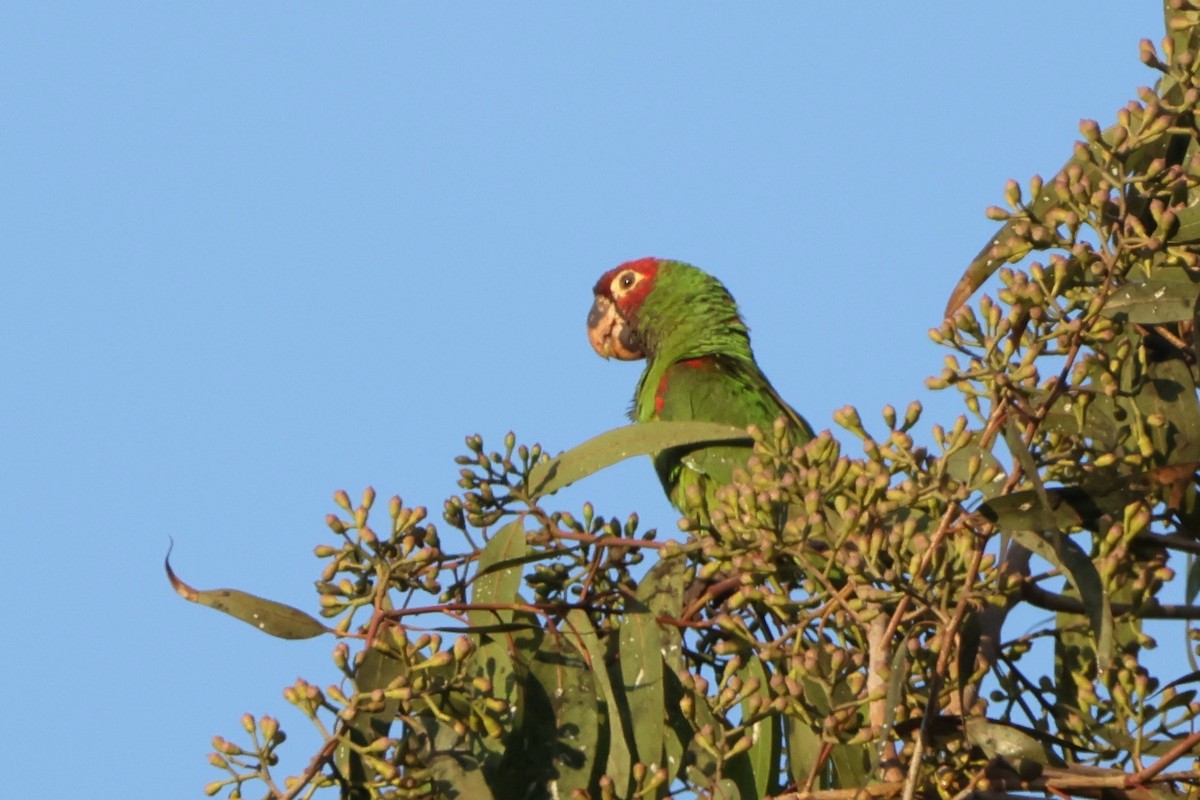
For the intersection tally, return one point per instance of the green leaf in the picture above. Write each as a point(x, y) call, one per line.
point(849, 761)
point(662, 590)
point(725, 789)
point(276, 619)
point(570, 688)
point(580, 632)
point(1001, 248)
point(1192, 584)
point(1064, 554)
point(663, 587)
point(970, 636)
point(898, 677)
point(455, 772)
point(491, 660)
point(754, 769)
point(640, 651)
point(619, 444)
point(498, 575)
point(1153, 302)
point(376, 671)
point(803, 747)
point(1171, 392)
point(958, 462)
point(1069, 507)
point(1093, 419)
point(999, 739)
point(1188, 228)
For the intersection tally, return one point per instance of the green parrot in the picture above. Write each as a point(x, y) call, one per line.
point(699, 366)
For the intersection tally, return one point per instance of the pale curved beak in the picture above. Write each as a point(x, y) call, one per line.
point(610, 334)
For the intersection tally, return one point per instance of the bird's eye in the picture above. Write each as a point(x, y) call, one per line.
point(627, 280)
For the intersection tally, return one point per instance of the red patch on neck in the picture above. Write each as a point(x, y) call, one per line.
point(660, 392)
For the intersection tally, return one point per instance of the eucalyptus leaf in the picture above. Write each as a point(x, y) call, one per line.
point(570, 687)
point(663, 587)
point(640, 653)
point(454, 771)
point(581, 634)
point(999, 739)
point(1187, 227)
point(498, 575)
point(277, 619)
point(1192, 581)
point(608, 448)
point(375, 671)
point(1171, 393)
point(753, 770)
point(1067, 508)
point(803, 749)
point(1064, 554)
point(1153, 302)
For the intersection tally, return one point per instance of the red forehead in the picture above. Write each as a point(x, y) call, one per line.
point(643, 266)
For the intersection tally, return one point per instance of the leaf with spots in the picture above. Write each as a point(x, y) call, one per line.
point(498, 576)
point(580, 633)
point(276, 619)
point(640, 649)
point(1154, 302)
point(576, 711)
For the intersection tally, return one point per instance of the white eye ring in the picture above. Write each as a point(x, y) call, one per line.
point(626, 280)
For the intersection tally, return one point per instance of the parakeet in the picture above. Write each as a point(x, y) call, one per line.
point(699, 366)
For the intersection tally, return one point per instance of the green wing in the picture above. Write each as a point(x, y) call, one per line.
point(714, 389)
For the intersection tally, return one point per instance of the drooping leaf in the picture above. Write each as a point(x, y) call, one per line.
point(662, 591)
point(897, 677)
point(1004, 247)
point(970, 636)
point(849, 761)
point(376, 670)
point(491, 662)
point(1069, 508)
point(580, 632)
point(957, 464)
point(1061, 552)
point(803, 748)
point(663, 587)
point(1188, 228)
point(640, 652)
point(276, 619)
point(570, 687)
point(1192, 587)
point(1003, 740)
point(754, 770)
point(498, 575)
point(1093, 419)
point(619, 444)
point(702, 768)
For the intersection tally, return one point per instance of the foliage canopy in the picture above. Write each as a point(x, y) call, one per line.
point(839, 627)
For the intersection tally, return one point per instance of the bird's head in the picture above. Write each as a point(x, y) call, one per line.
point(654, 307)
point(613, 320)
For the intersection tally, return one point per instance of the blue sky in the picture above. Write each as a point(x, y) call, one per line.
point(254, 253)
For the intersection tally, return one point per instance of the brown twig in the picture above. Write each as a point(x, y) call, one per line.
point(314, 766)
point(1170, 757)
point(1152, 609)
